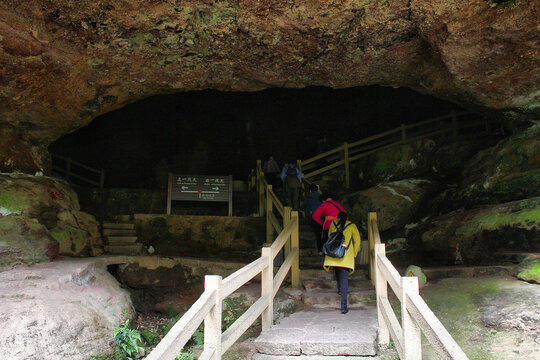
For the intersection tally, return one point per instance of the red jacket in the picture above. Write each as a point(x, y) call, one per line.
point(326, 213)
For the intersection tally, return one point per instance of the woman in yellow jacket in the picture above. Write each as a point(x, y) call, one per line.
point(344, 266)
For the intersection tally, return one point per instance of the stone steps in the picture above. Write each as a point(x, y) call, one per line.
point(119, 232)
point(258, 356)
point(320, 274)
point(325, 285)
point(121, 236)
point(121, 240)
point(118, 225)
point(321, 333)
point(358, 299)
point(131, 249)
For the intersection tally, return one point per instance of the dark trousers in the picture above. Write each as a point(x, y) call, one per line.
point(342, 277)
point(293, 197)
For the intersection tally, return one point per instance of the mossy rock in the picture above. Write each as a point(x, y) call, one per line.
point(150, 337)
point(508, 171)
point(530, 270)
point(25, 241)
point(473, 237)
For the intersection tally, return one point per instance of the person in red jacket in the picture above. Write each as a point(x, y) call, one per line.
point(324, 215)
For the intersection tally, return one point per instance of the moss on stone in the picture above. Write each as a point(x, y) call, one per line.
point(526, 218)
point(530, 271)
point(137, 39)
point(14, 202)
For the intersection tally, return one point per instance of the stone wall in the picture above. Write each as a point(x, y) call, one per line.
point(232, 238)
point(106, 203)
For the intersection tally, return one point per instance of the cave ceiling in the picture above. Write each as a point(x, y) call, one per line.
point(64, 62)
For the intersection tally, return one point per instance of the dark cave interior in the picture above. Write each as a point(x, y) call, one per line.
point(219, 133)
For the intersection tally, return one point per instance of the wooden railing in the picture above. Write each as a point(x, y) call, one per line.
point(209, 305)
point(347, 153)
point(71, 169)
point(416, 316)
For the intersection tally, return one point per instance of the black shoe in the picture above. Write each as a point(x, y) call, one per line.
point(344, 311)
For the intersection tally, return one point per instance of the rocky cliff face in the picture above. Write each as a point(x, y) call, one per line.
point(63, 63)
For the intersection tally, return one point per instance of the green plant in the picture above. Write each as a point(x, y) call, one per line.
point(185, 356)
point(233, 308)
point(198, 336)
point(127, 339)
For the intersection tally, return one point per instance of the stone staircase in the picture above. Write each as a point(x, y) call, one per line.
point(320, 331)
point(120, 236)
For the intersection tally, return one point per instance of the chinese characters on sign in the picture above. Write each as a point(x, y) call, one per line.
point(199, 188)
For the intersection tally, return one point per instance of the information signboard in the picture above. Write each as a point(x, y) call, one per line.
point(199, 188)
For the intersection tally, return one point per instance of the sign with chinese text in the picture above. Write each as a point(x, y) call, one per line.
point(200, 188)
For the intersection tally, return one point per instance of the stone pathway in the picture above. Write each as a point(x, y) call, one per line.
point(320, 334)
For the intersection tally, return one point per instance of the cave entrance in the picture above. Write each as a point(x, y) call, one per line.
point(214, 133)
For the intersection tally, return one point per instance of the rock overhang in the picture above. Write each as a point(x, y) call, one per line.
point(65, 63)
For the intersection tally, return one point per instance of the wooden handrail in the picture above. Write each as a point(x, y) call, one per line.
point(171, 345)
point(208, 307)
point(68, 171)
point(344, 154)
point(416, 316)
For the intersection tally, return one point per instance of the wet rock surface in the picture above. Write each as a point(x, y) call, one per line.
point(65, 63)
point(490, 318)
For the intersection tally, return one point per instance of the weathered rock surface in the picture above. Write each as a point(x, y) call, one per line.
point(490, 318)
point(474, 236)
point(508, 171)
point(395, 202)
point(25, 241)
point(40, 218)
point(529, 270)
point(61, 310)
point(202, 236)
point(63, 62)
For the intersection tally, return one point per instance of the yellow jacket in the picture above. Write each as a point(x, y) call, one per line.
point(351, 233)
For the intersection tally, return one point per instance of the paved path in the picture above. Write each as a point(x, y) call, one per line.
point(317, 334)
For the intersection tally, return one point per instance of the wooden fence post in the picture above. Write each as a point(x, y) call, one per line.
point(295, 244)
point(169, 193)
point(403, 134)
point(381, 289)
point(269, 227)
point(267, 288)
point(346, 159)
point(412, 339)
point(286, 219)
point(260, 188)
point(371, 239)
point(212, 322)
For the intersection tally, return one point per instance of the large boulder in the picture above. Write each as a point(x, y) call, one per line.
point(77, 233)
point(40, 218)
point(395, 202)
point(35, 196)
point(508, 171)
point(25, 241)
point(63, 310)
point(475, 236)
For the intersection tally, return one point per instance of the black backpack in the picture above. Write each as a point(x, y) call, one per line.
point(333, 247)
